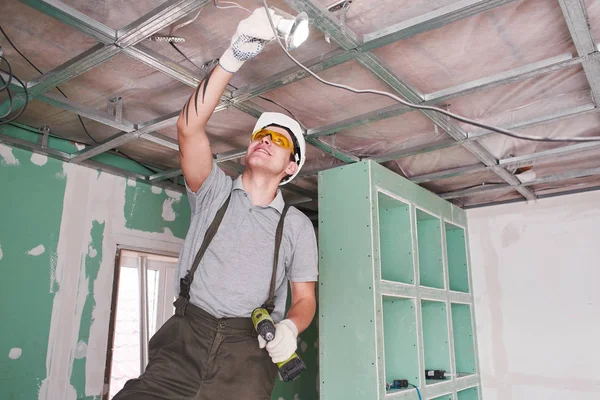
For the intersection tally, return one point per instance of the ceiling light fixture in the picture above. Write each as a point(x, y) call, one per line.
point(293, 31)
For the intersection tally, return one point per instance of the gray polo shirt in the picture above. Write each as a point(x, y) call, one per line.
point(234, 275)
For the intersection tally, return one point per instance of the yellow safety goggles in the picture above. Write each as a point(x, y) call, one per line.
point(278, 138)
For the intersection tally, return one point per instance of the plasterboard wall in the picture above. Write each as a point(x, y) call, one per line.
point(536, 281)
point(59, 227)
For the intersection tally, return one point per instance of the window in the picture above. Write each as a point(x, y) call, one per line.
point(142, 302)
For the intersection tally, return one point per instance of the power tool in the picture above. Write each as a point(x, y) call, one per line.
point(289, 369)
point(436, 374)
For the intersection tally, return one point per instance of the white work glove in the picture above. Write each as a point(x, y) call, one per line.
point(251, 36)
point(285, 342)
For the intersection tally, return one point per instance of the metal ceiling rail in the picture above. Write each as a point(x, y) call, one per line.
point(540, 195)
point(581, 173)
point(526, 72)
point(36, 148)
point(149, 24)
point(513, 162)
point(548, 155)
point(414, 150)
point(437, 19)
point(429, 21)
point(163, 64)
point(503, 187)
point(130, 132)
point(446, 143)
point(122, 138)
point(291, 75)
point(88, 112)
point(66, 157)
point(71, 17)
point(450, 173)
point(114, 42)
point(72, 68)
point(159, 179)
point(331, 27)
point(556, 116)
point(125, 40)
point(576, 17)
point(484, 188)
point(129, 36)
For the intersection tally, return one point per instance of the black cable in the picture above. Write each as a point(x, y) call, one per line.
point(234, 88)
point(24, 87)
point(17, 50)
point(10, 100)
point(279, 105)
point(41, 73)
point(61, 92)
point(10, 74)
point(184, 56)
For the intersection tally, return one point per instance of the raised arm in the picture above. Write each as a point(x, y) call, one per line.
point(195, 155)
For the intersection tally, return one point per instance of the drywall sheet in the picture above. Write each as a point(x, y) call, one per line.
point(536, 283)
point(60, 227)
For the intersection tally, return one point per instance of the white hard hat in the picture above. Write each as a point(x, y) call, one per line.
point(293, 127)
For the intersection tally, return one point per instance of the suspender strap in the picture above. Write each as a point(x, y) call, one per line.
point(269, 305)
point(186, 282)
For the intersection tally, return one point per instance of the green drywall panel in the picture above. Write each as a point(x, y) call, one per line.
point(395, 241)
point(435, 336)
point(458, 273)
point(468, 394)
point(29, 134)
point(464, 346)
point(400, 339)
point(144, 210)
point(31, 207)
point(347, 339)
point(424, 199)
point(411, 322)
point(92, 266)
point(429, 243)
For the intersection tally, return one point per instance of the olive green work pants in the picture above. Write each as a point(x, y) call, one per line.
point(200, 357)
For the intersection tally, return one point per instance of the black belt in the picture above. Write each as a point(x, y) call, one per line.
point(185, 283)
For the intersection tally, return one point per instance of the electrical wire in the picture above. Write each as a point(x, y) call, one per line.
point(11, 76)
point(234, 88)
point(10, 100)
point(424, 107)
point(9, 72)
point(233, 5)
point(186, 23)
point(418, 391)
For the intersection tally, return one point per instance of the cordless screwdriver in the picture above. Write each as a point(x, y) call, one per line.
point(289, 369)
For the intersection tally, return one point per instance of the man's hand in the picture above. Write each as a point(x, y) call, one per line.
point(285, 342)
point(252, 34)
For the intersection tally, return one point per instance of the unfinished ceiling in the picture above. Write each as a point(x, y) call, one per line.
point(529, 65)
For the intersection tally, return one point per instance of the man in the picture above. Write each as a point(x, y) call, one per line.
point(209, 348)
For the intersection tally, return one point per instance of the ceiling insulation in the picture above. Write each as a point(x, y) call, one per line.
point(483, 59)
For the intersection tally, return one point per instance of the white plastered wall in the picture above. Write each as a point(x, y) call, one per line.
point(536, 282)
point(89, 197)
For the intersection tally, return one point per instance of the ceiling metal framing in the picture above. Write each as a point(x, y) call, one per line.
point(326, 23)
point(127, 40)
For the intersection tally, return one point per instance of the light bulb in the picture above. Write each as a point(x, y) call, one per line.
point(301, 33)
point(294, 31)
